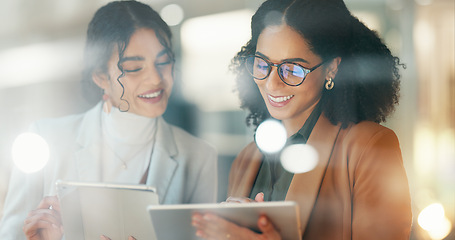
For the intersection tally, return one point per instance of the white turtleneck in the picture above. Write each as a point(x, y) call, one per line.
point(128, 140)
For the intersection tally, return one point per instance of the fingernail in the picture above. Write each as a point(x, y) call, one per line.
point(263, 221)
point(196, 218)
point(208, 217)
point(199, 233)
point(54, 226)
point(195, 223)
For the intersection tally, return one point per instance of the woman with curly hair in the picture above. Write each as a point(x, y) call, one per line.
point(331, 81)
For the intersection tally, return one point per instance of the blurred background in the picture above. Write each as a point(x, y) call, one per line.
point(41, 44)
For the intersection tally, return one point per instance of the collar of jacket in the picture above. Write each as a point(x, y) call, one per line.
point(88, 156)
point(303, 185)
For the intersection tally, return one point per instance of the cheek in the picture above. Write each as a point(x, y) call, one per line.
point(115, 92)
point(168, 78)
point(311, 90)
point(259, 84)
point(168, 74)
point(122, 88)
point(114, 85)
point(319, 85)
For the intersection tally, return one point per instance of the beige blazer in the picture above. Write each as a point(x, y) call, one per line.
point(359, 189)
point(183, 168)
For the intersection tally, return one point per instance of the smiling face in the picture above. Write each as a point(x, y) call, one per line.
point(148, 79)
point(291, 104)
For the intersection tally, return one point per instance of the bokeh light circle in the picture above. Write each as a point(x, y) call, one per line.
point(270, 136)
point(172, 14)
point(30, 152)
point(433, 220)
point(299, 158)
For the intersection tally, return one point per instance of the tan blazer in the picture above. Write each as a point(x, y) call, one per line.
point(359, 189)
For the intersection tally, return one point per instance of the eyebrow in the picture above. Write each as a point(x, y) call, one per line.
point(139, 58)
point(134, 58)
point(284, 60)
point(163, 52)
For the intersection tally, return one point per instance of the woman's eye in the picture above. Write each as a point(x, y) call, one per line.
point(293, 72)
point(163, 63)
point(132, 70)
point(262, 67)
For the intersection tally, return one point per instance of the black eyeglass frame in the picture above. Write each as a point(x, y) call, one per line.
point(269, 69)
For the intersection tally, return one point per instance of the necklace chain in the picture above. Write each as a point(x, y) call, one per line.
point(123, 162)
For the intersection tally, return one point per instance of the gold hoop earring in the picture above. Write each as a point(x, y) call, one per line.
point(329, 84)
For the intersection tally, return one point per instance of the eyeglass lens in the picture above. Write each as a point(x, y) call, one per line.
point(290, 73)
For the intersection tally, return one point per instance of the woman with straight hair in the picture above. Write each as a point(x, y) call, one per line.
point(128, 64)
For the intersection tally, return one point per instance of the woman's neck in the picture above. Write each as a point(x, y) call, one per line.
point(128, 127)
point(294, 124)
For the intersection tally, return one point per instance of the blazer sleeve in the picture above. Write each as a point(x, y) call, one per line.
point(25, 191)
point(381, 203)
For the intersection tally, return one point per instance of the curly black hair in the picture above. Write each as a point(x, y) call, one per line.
point(367, 82)
point(112, 26)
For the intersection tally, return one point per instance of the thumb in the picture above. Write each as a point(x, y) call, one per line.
point(267, 228)
point(259, 197)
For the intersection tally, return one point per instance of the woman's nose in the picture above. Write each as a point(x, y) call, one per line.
point(273, 81)
point(154, 75)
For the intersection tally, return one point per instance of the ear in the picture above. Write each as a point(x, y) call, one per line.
point(332, 68)
point(101, 79)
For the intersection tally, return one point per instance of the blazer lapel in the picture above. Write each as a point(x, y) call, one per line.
point(306, 185)
point(246, 168)
point(88, 156)
point(162, 164)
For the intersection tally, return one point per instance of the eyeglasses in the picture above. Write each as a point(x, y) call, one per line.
point(291, 73)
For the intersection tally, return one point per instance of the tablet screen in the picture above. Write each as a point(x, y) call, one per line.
point(90, 210)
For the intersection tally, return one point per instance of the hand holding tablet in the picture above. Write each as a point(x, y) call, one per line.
point(211, 226)
point(91, 210)
point(175, 221)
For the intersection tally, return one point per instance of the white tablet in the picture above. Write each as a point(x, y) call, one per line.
point(90, 210)
point(174, 221)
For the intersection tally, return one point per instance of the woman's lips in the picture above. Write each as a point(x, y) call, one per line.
point(279, 101)
point(152, 96)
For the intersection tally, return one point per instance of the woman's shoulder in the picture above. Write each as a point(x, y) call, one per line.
point(66, 122)
point(370, 139)
point(186, 140)
point(62, 121)
point(66, 126)
point(367, 130)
